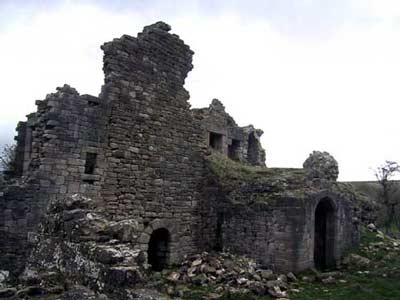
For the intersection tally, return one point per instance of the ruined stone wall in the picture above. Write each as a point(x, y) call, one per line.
point(154, 155)
point(24, 145)
point(222, 134)
point(140, 153)
point(68, 127)
point(54, 144)
point(270, 228)
point(20, 148)
point(281, 233)
point(270, 214)
point(19, 217)
point(146, 146)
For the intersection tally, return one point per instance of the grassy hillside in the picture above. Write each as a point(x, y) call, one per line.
point(373, 190)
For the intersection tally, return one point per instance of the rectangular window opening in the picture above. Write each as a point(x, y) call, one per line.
point(90, 164)
point(215, 141)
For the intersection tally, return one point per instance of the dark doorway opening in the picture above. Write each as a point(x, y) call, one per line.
point(252, 149)
point(158, 251)
point(215, 141)
point(233, 150)
point(324, 235)
point(218, 233)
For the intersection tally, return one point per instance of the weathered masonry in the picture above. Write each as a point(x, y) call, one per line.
point(136, 172)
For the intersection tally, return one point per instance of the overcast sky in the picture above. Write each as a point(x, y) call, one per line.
point(313, 74)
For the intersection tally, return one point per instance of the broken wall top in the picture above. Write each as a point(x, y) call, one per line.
point(270, 186)
point(154, 56)
point(225, 136)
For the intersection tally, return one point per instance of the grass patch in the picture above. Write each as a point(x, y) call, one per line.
point(267, 185)
point(205, 292)
point(270, 184)
point(226, 168)
point(381, 280)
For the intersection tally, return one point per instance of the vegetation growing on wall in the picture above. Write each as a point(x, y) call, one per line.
point(227, 170)
point(384, 174)
point(272, 182)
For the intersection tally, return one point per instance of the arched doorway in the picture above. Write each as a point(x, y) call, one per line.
point(158, 251)
point(324, 234)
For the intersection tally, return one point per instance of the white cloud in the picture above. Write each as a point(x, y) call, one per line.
point(337, 93)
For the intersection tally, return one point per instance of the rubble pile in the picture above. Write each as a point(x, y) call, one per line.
point(383, 247)
point(386, 242)
point(80, 247)
point(229, 273)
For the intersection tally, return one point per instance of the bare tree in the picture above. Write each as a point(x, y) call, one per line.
point(384, 174)
point(7, 158)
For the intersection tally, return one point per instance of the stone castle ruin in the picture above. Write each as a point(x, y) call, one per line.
point(106, 186)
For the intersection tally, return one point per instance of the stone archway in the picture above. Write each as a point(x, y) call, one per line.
point(159, 249)
point(324, 234)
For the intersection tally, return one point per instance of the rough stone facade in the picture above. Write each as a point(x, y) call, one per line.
point(226, 137)
point(322, 165)
point(276, 212)
point(134, 176)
